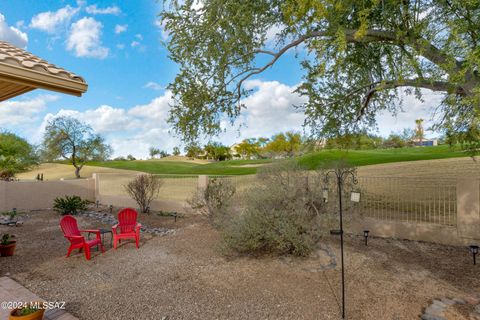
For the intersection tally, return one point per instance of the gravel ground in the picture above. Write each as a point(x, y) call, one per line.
point(183, 276)
point(454, 168)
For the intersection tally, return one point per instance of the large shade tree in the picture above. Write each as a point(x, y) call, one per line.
point(72, 140)
point(358, 57)
point(16, 155)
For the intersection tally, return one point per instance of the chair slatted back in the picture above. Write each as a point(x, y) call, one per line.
point(127, 220)
point(69, 226)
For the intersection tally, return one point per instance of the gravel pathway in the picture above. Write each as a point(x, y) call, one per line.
point(183, 276)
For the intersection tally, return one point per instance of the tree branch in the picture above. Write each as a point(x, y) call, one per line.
point(442, 86)
point(420, 45)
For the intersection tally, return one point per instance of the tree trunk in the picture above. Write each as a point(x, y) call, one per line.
point(77, 171)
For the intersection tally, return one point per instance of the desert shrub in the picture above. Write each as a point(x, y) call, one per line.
point(144, 189)
point(280, 213)
point(214, 202)
point(6, 239)
point(69, 205)
point(7, 175)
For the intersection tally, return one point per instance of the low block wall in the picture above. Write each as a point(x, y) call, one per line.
point(411, 231)
point(462, 228)
point(32, 195)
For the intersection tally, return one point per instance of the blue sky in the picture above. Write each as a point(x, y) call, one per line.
point(117, 47)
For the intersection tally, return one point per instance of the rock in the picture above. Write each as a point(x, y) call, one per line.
point(459, 301)
point(432, 317)
point(110, 219)
point(435, 310)
point(472, 300)
point(448, 301)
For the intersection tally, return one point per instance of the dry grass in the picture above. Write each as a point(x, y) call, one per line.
point(57, 171)
point(453, 168)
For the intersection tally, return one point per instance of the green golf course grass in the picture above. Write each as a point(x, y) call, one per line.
point(310, 161)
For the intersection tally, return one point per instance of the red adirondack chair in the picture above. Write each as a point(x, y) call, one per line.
point(127, 227)
point(77, 241)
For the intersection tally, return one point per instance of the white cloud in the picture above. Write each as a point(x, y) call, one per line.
point(119, 28)
point(138, 43)
point(412, 109)
point(84, 39)
point(120, 46)
point(272, 35)
point(12, 34)
point(156, 111)
point(129, 131)
point(24, 111)
point(270, 109)
point(161, 27)
point(51, 21)
point(92, 9)
point(154, 86)
point(20, 24)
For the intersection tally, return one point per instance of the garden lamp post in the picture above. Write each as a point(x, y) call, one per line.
point(365, 234)
point(474, 251)
point(341, 175)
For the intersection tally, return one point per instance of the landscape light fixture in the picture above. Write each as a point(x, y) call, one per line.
point(111, 208)
point(365, 234)
point(355, 196)
point(474, 251)
point(97, 203)
point(325, 194)
point(342, 174)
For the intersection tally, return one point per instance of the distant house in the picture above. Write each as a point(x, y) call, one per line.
point(425, 142)
point(234, 152)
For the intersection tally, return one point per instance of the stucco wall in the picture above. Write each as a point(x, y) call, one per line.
point(410, 231)
point(39, 195)
point(31, 195)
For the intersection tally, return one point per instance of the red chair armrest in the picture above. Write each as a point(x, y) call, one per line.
point(96, 231)
point(74, 237)
point(90, 230)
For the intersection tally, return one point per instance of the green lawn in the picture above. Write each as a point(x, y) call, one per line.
point(181, 167)
point(311, 161)
point(369, 157)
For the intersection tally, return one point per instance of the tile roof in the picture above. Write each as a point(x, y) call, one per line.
point(10, 54)
point(21, 72)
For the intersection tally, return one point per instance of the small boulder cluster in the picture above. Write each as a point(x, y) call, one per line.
point(437, 309)
point(108, 218)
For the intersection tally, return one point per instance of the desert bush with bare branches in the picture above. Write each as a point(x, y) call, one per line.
point(144, 189)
